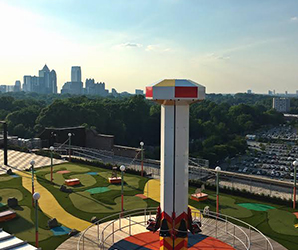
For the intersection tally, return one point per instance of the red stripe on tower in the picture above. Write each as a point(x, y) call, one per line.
point(149, 91)
point(186, 92)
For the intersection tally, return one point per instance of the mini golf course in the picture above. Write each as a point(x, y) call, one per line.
point(95, 196)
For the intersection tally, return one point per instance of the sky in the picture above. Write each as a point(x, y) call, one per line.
point(229, 46)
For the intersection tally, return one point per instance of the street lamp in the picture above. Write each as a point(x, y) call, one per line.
point(217, 169)
point(142, 157)
point(5, 142)
point(122, 169)
point(51, 150)
point(295, 164)
point(32, 171)
point(36, 197)
point(69, 143)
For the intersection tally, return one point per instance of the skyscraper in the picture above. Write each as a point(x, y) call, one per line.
point(75, 86)
point(76, 74)
point(44, 83)
point(17, 86)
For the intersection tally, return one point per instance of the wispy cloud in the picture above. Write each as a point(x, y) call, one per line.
point(294, 19)
point(218, 57)
point(131, 45)
point(157, 48)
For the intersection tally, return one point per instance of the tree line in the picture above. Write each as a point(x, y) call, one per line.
point(217, 128)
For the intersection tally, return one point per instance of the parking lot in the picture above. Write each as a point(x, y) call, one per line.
point(268, 160)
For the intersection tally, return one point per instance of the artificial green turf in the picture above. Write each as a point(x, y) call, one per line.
point(133, 185)
point(6, 193)
point(98, 190)
point(66, 166)
point(229, 207)
point(109, 202)
point(255, 206)
point(259, 219)
point(85, 179)
point(6, 177)
point(282, 222)
point(23, 226)
point(84, 202)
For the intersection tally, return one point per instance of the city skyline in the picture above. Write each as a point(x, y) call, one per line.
point(229, 46)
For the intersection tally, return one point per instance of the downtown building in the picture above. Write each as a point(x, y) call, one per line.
point(281, 104)
point(75, 86)
point(44, 83)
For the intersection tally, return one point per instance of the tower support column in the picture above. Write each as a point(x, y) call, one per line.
point(174, 175)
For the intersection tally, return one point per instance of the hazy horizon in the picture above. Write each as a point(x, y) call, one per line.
point(228, 46)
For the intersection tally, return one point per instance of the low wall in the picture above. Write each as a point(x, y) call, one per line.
point(127, 151)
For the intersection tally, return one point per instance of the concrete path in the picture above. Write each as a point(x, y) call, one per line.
point(50, 206)
point(20, 161)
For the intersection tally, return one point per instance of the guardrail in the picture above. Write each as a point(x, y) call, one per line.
point(238, 234)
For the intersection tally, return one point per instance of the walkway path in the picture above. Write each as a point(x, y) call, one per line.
point(50, 206)
point(20, 161)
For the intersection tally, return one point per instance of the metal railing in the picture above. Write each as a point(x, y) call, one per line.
point(239, 234)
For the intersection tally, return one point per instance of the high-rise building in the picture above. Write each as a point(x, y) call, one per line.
point(281, 104)
point(269, 92)
point(249, 91)
point(75, 86)
point(139, 92)
point(93, 88)
point(76, 75)
point(17, 86)
point(44, 83)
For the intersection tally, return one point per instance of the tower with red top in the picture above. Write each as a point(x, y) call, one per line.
point(175, 96)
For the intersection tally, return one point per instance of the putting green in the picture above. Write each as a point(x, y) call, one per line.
point(68, 166)
point(85, 179)
point(10, 192)
point(98, 190)
point(256, 206)
point(50, 206)
point(6, 177)
point(229, 207)
point(131, 183)
point(282, 222)
point(23, 226)
point(84, 202)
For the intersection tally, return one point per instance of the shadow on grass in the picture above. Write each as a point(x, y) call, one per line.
point(18, 225)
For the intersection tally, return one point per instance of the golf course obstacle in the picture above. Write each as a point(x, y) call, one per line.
point(114, 179)
point(72, 182)
point(198, 195)
point(7, 215)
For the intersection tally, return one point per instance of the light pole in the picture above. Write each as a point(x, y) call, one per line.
point(5, 141)
point(32, 171)
point(142, 157)
point(36, 197)
point(122, 169)
point(69, 144)
point(51, 150)
point(217, 169)
point(295, 164)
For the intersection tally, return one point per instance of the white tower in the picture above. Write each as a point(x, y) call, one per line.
point(174, 97)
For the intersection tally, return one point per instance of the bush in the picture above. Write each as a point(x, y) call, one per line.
point(48, 153)
point(106, 166)
point(243, 193)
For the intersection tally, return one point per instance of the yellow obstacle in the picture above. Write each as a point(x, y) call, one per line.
point(296, 225)
point(152, 190)
point(51, 207)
